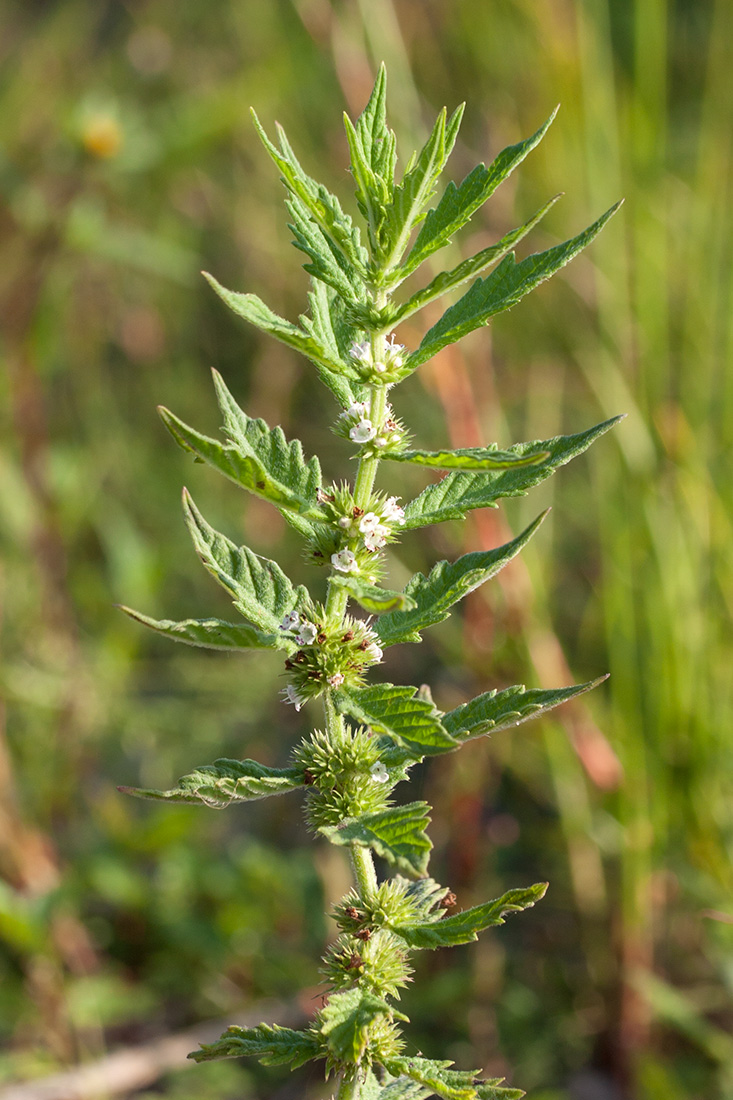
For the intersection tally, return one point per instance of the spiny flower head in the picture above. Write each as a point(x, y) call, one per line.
point(339, 770)
point(330, 655)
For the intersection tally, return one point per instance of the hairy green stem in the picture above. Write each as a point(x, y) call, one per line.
point(364, 872)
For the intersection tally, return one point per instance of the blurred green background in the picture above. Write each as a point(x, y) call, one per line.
point(127, 164)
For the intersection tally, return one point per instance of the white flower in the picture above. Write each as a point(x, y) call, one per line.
point(345, 561)
point(291, 696)
point(345, 523)
point(368, 523)
point(378, 772)
point(362, 432)
point(394, 353)
point(380, 442)
point(376, 539)
point(308, 633)
point(380, 368)
point(336, 680)
point(357, 411)
point(374, 652)
point(291, 621)
point(362, 352)
point(392, 512)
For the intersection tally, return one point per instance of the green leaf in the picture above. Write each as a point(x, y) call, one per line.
point(458, 493)
point(371, 597)
point(464, 927)
point(273, 1045)
point(417, 188)
point(450, 280)
point(412, 723)
point(258, 458)
point(467, 458)
point(449, 1083)
point(404, 1088)
point(447, 583)
point(327, 262)
point(501, 290)
point(491, 1090)
point(323, 207)
point(397, 835)
point(376, 140)
point(224, 782)
point(345, 1022)
point(253, 309)
point(458, 204)
point(261, 591)
point(209, 633)
point(336, 334)
point(498, 710)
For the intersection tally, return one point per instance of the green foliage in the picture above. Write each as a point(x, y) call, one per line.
point(410, 722)
point(497, 710)
point(459, 493)
point(447, 583)
point(464, 927)
point(226, 781)
point(350, 771)
point(261, 591)
point(397, 835)
point(273, 1045)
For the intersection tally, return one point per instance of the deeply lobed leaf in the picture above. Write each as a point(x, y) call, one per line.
point(224, 782)
point(458, 493)
point(446, 584)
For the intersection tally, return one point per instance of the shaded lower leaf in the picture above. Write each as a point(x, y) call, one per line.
point(464, 927)
point(397, 835)
point(344, 1022)
point(209, 633)
point(497, 710)
point(273, 1045)
point(410, 722)
point(404, 1088)
point(226, 781)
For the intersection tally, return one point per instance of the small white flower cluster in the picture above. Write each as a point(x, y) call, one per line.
point(372, 528)
point(379, 772)
point(307, 631)
point(362, 430)
point(392, 360)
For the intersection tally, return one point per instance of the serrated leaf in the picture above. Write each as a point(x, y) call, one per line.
point(262, 593)
point(253, 309)
point(410, 722)
point(417, 188)
point(467, 269)
point(332, 329)
point(404, 1088)
point(375, 600)
point(458, 204)
point(345, 1021)
point(452, 1084)
point(258, 458)
point(464, 927)
point(224, 782)
point(397, 835)
point(498, 710)
point(209, 633)
point(499, 291)
point(273, 1045)
point(445, 585)
point(492, 1090)
point(376, 140)
point(323, 207)
point(467, 458)
point(458, 493)
point(327, 262)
